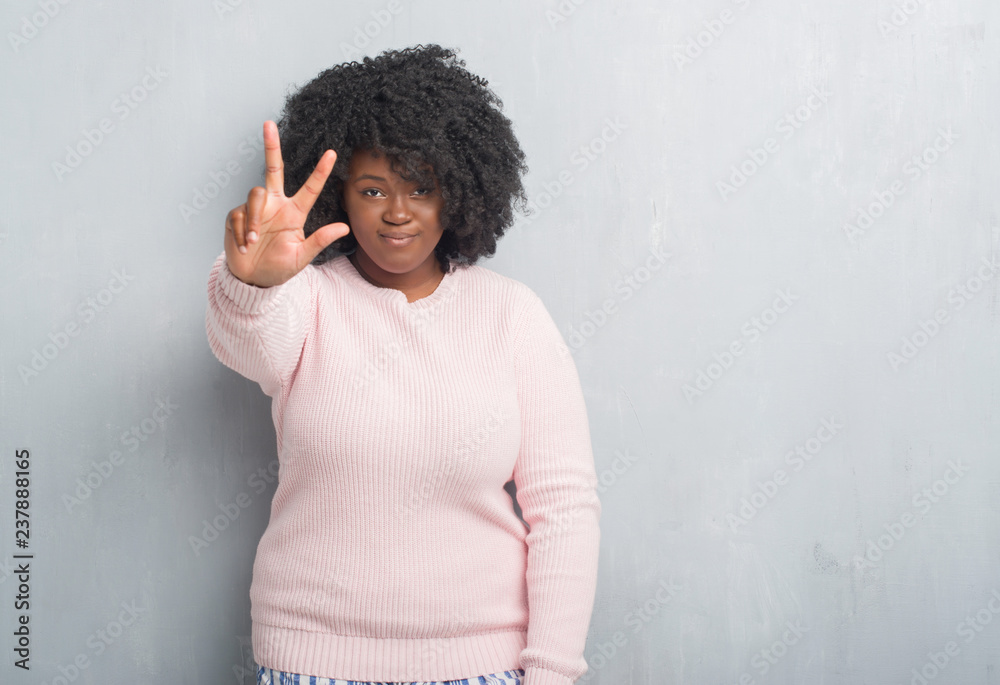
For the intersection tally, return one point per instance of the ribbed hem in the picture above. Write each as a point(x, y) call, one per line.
point(542, 676)
point(390, 659)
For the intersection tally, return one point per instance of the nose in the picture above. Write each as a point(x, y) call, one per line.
point(397, 210)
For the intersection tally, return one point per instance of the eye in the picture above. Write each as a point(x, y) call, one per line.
point(366, 192)
point(424, 191)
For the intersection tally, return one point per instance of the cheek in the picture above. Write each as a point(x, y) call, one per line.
point(356, 214)
point(431, 215)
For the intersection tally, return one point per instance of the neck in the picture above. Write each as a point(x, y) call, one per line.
point(422, 280)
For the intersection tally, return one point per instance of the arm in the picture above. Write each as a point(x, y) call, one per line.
point(259, 332)
point(556, 489)
point(261, 299)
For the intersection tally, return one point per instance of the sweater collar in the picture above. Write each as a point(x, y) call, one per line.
point(445, 289)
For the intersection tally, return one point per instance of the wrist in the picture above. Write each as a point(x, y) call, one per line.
point(242, 280)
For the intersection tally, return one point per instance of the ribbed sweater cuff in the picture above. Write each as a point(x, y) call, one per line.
point(252, 299)
point(543, 676)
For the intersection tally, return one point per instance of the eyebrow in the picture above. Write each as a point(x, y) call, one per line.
point(369, 176)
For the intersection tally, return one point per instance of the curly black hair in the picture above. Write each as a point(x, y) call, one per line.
point(423, 110)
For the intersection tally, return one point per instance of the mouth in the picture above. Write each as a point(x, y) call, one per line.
point(397, 238)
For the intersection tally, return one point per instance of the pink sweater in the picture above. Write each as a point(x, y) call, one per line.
point(393, 552)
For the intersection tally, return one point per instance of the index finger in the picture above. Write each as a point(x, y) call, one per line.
point(274, 178)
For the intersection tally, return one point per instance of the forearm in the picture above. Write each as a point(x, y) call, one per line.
point(258, 332)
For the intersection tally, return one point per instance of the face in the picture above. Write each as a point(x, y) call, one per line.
point(397, 223)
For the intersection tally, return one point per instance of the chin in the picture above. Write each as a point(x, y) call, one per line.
point(398, 263)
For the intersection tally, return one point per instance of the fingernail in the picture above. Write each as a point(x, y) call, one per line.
point(243, 249)
point(252, 236)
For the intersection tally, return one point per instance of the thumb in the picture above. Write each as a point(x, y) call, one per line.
point(323, 237)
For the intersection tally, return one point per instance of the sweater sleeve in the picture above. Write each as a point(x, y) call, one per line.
point(259, 332)
point(557, 492)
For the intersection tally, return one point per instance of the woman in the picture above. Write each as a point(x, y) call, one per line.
point(408, 386)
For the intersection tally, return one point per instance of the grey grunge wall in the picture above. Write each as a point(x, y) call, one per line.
point(769, 232)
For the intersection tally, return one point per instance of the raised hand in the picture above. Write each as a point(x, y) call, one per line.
point(265, 240)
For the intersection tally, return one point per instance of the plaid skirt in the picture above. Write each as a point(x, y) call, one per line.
point(268, 676)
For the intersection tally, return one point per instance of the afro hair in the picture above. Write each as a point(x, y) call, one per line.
point(424, 111)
